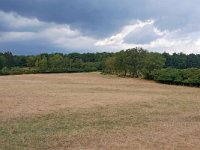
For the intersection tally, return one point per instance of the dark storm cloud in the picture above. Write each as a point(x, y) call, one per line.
point(102, 17)
point(90, 16)
point(96, 20)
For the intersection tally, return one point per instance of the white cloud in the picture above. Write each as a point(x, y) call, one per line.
point(119, 37)
point(197, 42)
point(169, 41)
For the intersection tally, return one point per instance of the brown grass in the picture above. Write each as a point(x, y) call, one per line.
point(93, 111)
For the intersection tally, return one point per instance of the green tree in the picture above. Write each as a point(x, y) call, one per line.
point(191, 76)
point(110, 65)
point(9, 59)
point(42, 64)
point(169, 75)
point(2, 62)
point(31, 60)
point(152, 62)
point(135, 61)
point(56, 61)
point(120, 63)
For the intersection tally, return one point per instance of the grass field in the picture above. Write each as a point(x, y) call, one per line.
point(94, 111)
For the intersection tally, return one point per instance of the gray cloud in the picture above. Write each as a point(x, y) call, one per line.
point(47, 24)
point(101, 18)
point(142, 35)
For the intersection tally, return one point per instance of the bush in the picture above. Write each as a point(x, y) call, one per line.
point(16, 71)
point(189, 76)
point(90, 67)
point(5, 71)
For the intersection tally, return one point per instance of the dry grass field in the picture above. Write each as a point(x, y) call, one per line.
point(94, 111)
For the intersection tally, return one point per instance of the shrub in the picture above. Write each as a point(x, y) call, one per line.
point(5, 71)
point(189, 76)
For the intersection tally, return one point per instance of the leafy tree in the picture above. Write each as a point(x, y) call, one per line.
point(2, 62)
point(120, 63)
point(42, 64)
point(31, 60)
point(182, 61)
point(9, 59)
point(56, 61)
point(20, 61)
point(152, 62)
point(89, 66)
point(135, 61)
point(110, 65)
point(168, 75)
point(191, 76)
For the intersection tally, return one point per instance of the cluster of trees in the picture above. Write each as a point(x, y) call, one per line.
point(182, 61)
point(51, 63)
point(190, 76)
point(137, 62)
point(180, 69)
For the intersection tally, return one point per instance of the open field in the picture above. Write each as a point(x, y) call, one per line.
point(93, 111)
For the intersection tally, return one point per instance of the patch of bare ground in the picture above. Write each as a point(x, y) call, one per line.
point(93, 111)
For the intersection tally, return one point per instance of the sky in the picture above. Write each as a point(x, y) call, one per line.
point(47, 26)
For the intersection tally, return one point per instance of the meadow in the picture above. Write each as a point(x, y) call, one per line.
point(95, 111)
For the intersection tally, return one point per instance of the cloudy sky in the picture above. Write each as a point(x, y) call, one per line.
point(37, 26)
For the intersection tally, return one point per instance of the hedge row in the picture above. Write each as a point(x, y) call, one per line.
point(18, 71)
point(189, 76)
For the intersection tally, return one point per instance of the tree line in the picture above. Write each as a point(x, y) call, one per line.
point(182, 61)
point(51, 63)
point(136, 62)
point(190, 76)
